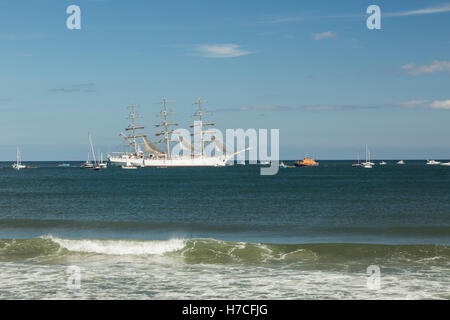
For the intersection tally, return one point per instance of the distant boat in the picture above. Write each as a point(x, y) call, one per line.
point(445, 164)
point(130, 167)
point(367, 164)
point(383, 163)
point(401, 162)
point(88, 164)
point(18, 165)
point(102, 164)
point(284, 166)
point(432, 162)
point(64, 165)
point(264, 163)
point(307, 162)
point(358, 164)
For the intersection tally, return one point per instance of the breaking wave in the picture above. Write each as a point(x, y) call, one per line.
point(212, 251)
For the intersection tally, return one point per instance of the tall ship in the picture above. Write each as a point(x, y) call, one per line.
point(154, 156)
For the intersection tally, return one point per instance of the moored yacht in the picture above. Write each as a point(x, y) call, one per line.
point(357, 164)
point(18, 165)
point(432, 162)
point(367, 164)
point(88, 164)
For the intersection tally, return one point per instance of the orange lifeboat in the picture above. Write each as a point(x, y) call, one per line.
point(307, 162)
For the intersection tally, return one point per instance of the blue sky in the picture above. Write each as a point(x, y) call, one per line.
point(310, 68)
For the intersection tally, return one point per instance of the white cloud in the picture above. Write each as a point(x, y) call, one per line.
point(296, 108)
point(412, 103)
point(444, 104)
point(221, 51)
point(436, 104)
point(325, 35)
point(440, 9)
point(436, 66)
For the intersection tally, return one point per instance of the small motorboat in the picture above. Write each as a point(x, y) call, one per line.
point(129, 167)
point(285, 166)
point(432, 163)
point(383, 163)
point(445, 164)
point(401, 162)
point(64, 165)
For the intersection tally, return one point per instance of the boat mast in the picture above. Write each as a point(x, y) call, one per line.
point(166, 131)
point(200, 115)
point(366, 153)
point(166, 125)
point(132, 138)
point(92, 148)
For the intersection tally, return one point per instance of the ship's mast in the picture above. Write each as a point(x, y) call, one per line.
point(166, 125)
point(92, 147)
point(200, 115)
point(132, 137)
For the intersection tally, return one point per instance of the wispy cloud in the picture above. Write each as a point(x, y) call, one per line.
point(428, 104)
point(436, 104)
point(310, 17)
point(436, 66)
point(431, 10)
point(444, 104)
point(412, 103)
point(296, 18)
point(325, 35)
point(220, 50)
point(296, 108)
point(83, 87)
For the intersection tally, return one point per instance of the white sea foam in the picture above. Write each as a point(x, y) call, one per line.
point(120, 247)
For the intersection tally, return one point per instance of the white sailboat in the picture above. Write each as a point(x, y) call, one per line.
point(102, 164)
point(367, 164)
point(156, 157)
point(18, 165)
point(401, 162)
point(88, 164)
point(358, 164)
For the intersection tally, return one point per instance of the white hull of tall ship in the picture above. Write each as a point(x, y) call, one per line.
point(219, 161)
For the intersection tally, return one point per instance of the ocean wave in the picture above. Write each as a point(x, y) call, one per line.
point(211, 251)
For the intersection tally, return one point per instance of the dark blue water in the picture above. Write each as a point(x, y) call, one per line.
point(226, 232)
point(335, 202)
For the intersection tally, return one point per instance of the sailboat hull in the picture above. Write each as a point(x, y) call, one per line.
point(176, 162)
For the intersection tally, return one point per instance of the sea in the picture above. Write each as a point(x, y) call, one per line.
point(329, 232)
